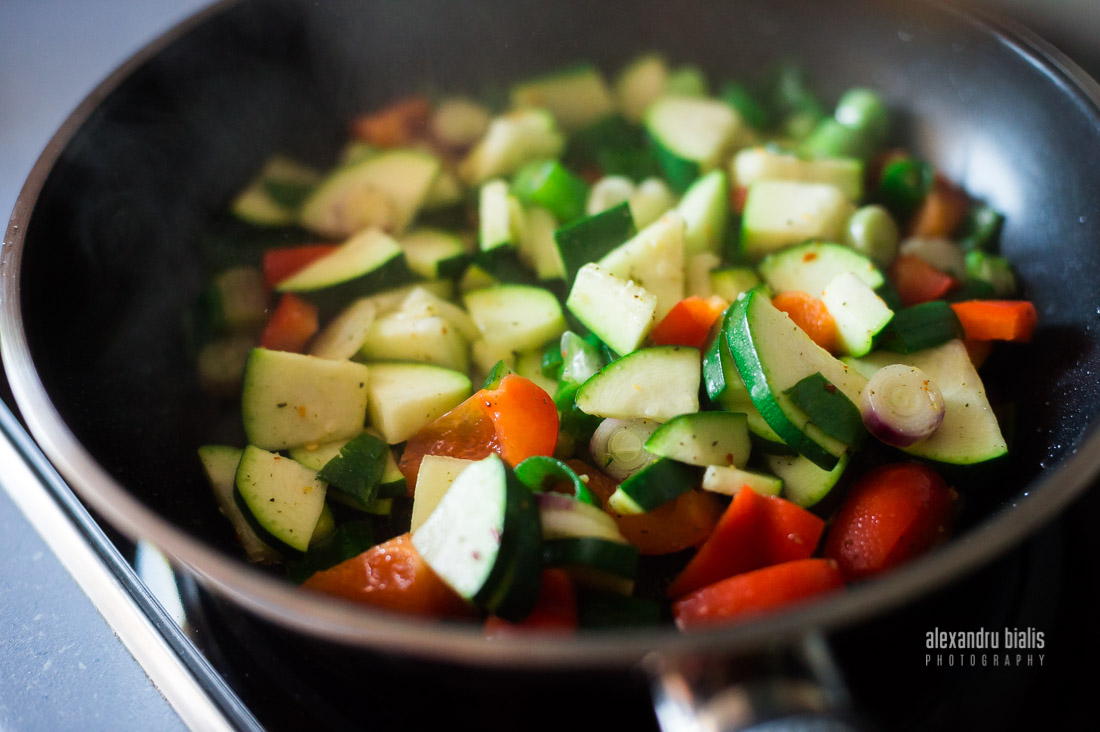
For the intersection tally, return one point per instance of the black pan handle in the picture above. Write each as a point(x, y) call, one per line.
point(789, 687)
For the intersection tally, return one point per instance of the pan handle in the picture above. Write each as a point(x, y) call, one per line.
point(797, 686)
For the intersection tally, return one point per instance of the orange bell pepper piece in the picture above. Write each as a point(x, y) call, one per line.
point(689, 321)
point(810, 314)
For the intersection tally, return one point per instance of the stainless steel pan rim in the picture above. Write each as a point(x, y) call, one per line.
point(356, 626)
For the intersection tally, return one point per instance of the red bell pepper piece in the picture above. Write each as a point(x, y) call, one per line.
point(391, 575)
point(555, 609)
point(516, 420)
point(281, 262)
point(916, 281)
point(689, 321)
point(747, 595)
point(291, 325)
point(685, 521)
point(894, 513)
point(997, 320)
point(755, 531)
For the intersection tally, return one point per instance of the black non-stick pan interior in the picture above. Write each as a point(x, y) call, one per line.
point(112, 256)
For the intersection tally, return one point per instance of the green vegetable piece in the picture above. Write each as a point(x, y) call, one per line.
point(864, 111)
point(831, 139)
point(971, 289)
point(589, 239)
point(580, 359)
point(614, 557)
point(828, 408)
point(608, 610)
point(551, 185)
point(981, 229)
point(357, 470)
point(921, 326)
point(687, 81)
point(745, 104)
point(348, 540)
point(615, 146)
point(903, 185)
point(288, 194)
point(992, 269)
point(572, 420)
point(873, 233)
point(541, 473)
point(496, 375)
point(552, 361)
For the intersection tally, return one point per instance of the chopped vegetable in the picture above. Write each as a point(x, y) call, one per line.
point(555, 609)
point(893, 514)
point(744, 596)
point(997, 320)
point(901, 405)
point(291, 326)
point(689, 322)
point(809, 314)
point(917, 281)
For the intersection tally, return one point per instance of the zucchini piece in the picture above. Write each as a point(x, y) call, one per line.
point(649, 201)
point(779, 214)
point(728, 481)
point(859, 313)
point(705, 209)
point(392, 482)
point(725, 387)
point(407, 396)
point(356, 471)
point(804, 483)
point(433, 480)
point(592, 237)
point(687, 81)
point(592, 554)
point(703, 438)
point(691, 136)
point(289, 399)
point(577, 97)
point(656, 383)
point(220, 462)
point(828, 408)
point(345, 334)
point(653, 486)
point(943, 254)
point(280, 497)
point(363, 264)
point(500, 223)
point(731, 282)
point(772, 355)
point(512, 141)
point(221, 362)
point(654, 259)
point(384, 191)
point(969, 433)
point(812, 266)
point(697, 274)
point(275, 195)
point(640, 84)
point(762, 163)
point(484, 540)
point(516, 317)
point(434, 254)
point(538, 248)
point(421, 338)
point(422, 301)
point(529, 366)
point(235, 300)
point(459, 122)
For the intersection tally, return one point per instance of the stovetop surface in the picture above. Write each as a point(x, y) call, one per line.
point(47, 627)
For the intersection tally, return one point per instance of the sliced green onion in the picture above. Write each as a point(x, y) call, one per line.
point(921, 326)
point(541, 474)
point(903, 185)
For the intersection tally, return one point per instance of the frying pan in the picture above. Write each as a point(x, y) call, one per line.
point(101, 257)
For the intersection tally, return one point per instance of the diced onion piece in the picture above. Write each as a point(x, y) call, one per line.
point(901, 405)
point(618, 446)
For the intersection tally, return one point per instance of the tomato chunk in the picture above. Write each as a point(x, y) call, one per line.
point(391, 575)
point(751, 594)
point(755, 531)
point(291, 325)
point(894, 513)
point(555, 609)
